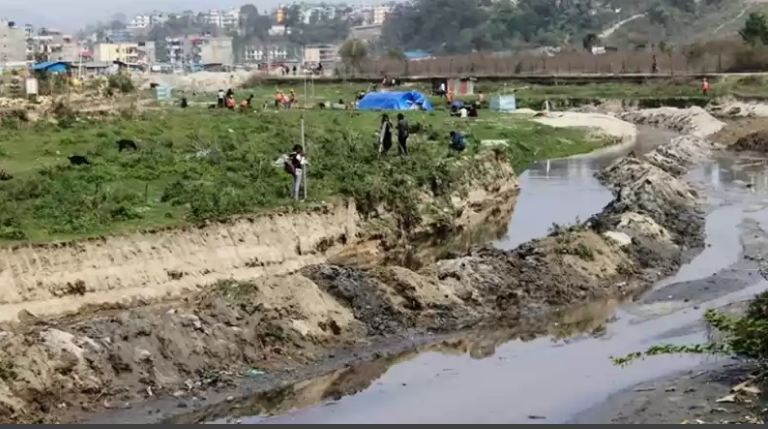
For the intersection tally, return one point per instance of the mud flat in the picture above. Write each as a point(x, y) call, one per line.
point(119, 355)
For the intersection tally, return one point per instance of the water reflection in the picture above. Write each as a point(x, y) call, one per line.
point(566, 191)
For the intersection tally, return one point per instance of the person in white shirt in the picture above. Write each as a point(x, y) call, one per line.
point(294, 165)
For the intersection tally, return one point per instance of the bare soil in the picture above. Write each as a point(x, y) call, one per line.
point(114, 356)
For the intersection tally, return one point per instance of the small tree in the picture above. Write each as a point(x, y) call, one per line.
point(590, 40)
point(755, 30)
point(353, 52)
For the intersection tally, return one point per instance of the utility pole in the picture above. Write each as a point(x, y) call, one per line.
point(306, 154)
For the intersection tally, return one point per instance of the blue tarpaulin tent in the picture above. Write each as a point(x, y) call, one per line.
point(412, 100)
point(54, 67)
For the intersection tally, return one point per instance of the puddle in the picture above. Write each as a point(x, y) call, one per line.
point(558, 368)
point(562, 191)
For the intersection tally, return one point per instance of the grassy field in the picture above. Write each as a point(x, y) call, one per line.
point(196, 165)
point(528, 95)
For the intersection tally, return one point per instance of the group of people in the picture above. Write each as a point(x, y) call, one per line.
point(283, 101)
point(227, 100)
point(386, 133)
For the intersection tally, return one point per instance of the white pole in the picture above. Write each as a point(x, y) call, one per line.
point(306, 153)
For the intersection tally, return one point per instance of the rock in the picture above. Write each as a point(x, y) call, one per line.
point(730, 399)
point(143, 355)
point(623, 240)
point(230, 398)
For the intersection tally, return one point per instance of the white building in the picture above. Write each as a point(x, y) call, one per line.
point(145, 21)
point(223, 18)
point(318, 13)
point(140, 22)
point(314, 54)
point(260, 54)
point(380, 14)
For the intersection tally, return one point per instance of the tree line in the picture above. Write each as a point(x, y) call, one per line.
point(460, 26)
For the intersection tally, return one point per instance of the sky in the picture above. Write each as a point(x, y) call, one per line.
point(71, 15)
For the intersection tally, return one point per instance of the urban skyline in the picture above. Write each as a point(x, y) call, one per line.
point(76, 14)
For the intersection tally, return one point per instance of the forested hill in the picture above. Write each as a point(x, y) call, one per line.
point(453, 26)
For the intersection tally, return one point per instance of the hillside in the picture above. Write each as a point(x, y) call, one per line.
point(710, 20)
point(456, 26)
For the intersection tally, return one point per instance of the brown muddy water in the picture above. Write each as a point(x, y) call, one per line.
point(555, 373)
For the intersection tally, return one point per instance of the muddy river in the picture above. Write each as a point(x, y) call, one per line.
point(555, 375)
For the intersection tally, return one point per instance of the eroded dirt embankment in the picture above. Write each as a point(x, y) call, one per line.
point(143, 267)
point(53, 370)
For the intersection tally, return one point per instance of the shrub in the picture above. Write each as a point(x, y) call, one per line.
point(121, 82)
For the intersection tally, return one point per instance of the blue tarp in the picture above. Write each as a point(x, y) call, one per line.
point(51, 67)
point(412, 100)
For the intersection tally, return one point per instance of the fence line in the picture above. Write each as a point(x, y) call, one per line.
point(561, 64)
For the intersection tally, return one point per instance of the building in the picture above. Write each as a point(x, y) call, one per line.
point(311, 13)
point(223, 18)
point(175, 50)
point(147, 52)
point(140, 22)
point(371, 15)
point(13, 44)
point(314, 54)
point(380, 14)
point(217, 50)
point(123, 52)
point(52, 45)
point(200, 50)
point(262, 54)
point(147, 21)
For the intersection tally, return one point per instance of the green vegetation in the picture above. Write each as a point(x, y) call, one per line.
point(755, 30)
point(458, 26)
point(199, 165)
point(744, 336)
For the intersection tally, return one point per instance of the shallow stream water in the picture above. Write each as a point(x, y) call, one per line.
point(564, 368)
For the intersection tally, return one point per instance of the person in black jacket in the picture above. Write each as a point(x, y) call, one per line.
point(385, 134)
point(403, 133)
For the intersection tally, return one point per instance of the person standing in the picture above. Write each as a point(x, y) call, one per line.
point(403, 131)
point(220, 99)
point(294, 165)
point(705, 88)
point(385, 134)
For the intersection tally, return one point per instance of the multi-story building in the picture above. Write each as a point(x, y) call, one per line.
point(261, 54)
point(217, 50)
point(372, 15)
point(53, 45)
point(175, 47)
point(380, 14)
point(147, 52)
point(313, 13)
point(223, 18)
point(325, 54)
point(147, 21)
point(200, 50)
point(122, 52)
point(13, 44)
point(140, 22)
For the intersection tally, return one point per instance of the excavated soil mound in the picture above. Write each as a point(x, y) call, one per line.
point(755, 142)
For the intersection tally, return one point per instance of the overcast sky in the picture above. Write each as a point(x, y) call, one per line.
point(71, 15)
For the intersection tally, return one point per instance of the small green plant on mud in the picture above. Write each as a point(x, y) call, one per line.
point(744, 336)
point(7, 371)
